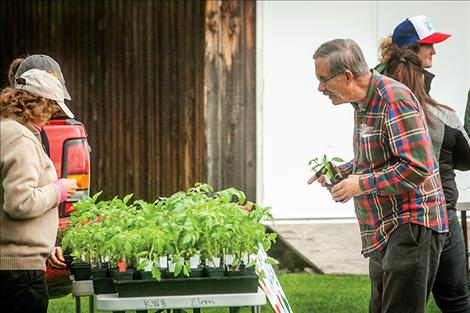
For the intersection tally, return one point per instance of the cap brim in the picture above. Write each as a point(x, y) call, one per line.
point(65, 109)
point(434, 38)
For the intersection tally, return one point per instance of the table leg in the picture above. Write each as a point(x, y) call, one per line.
point(78, 307)
point(235, 310)
point(91, 307)
point(256, 309)
point(196, 310)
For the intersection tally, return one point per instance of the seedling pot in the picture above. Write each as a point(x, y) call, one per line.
point(68, 260)
point(103, 285)
point(126, 275)
point(247, 272)
point(213, 272)
point(81, 271)
point(100, 272)
point(196, 272)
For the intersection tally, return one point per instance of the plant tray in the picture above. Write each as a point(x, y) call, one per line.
point(186, 286)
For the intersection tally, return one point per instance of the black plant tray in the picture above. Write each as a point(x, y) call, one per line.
point(186, 286)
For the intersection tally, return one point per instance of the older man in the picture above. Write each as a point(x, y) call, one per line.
point(393, 179)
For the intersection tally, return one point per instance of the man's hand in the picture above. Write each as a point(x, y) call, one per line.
point(346, 189)
point(321, 180)
point(56, 259)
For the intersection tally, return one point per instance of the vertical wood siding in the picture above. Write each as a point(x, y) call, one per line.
point(230, 94)
point(137, 74)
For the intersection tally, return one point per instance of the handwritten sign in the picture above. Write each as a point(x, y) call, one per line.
point(155, 304)
point(193, 302)
point(198, 302)
point(271, 286)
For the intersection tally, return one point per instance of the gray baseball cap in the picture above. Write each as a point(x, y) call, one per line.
point(45, 63)
point(43, 84)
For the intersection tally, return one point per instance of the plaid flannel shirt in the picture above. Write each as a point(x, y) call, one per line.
point(396, 166)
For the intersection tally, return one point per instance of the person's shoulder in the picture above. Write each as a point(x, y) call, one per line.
point(381, 68)
point(12, 131)
point(392, 91)
point(446, 115)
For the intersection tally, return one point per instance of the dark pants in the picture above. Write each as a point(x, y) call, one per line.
point(23, 291)
point(451, 286)
point(402, 274)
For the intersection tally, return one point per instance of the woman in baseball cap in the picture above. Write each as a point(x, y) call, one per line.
point(405, 55)
point(30, 191)
point(417, 34)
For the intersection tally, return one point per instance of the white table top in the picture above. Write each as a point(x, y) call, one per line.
point(82, 288)
point(112, 302)
point(463, 206)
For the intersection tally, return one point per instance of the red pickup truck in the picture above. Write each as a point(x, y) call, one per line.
point(70, 153)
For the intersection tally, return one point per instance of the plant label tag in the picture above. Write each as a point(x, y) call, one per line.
point(228, 259)
point(194, 261)
point(163, 262)
point(122, 266)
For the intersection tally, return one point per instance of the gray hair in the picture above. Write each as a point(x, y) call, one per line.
point(343, 54)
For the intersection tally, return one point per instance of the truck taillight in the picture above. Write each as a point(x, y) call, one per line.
point(76, 165)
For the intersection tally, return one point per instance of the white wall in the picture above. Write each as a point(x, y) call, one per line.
point(297, 123)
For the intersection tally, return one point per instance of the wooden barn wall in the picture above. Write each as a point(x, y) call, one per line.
point(230, 94)
point(163, 105)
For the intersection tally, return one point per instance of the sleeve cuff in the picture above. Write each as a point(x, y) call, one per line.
point(62, 190)
point(345, 169)
point(367, 183)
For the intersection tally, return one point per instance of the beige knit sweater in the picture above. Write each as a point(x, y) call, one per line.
point(29, 197)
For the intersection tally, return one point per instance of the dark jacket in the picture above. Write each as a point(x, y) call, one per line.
point(467, 115)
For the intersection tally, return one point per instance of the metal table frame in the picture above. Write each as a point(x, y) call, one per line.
point(83, 288)
point(112, 302)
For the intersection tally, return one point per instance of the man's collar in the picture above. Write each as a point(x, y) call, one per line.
point(363, 104)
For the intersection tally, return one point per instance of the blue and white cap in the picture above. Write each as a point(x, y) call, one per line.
point(417, 29)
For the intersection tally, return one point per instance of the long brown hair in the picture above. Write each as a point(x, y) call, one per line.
point(387, 47)
point(26, 107)
point(405, 66)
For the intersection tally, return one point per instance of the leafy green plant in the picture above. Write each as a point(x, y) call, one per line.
point(197, 222)
point(326, 167)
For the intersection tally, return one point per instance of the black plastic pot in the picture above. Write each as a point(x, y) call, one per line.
point(196, 272)
point(169, 287)
point(141, 274)
point(171, 275)
point(68, 260)
point(81, 271)
point(246, 272)
point(100, 272)
point(126, 275)
point(337, 177)
point(213, 272)
point(103, 285)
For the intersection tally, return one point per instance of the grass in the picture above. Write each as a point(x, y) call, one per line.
point(306, 294)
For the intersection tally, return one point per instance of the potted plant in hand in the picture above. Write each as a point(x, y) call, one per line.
point(326, 167)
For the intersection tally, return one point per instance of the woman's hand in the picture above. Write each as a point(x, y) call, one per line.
point(56, 259)
point(70, 186)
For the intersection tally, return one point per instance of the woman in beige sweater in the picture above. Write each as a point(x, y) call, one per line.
point(30, 191)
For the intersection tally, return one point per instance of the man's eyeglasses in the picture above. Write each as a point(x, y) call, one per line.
point(324, 81)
